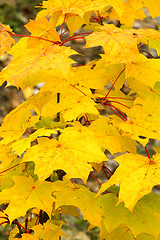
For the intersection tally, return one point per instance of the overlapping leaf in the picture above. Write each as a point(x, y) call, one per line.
point(81, 6)
point(26, 194)
point(79, 196)
point(29, 61)
point(48, 231)
point(65, 154)
point(136, 175)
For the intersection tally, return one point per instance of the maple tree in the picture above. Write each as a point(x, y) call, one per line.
point(69, 133)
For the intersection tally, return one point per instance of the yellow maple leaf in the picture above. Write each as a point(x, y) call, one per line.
point(79, 196)
point(44, 29)
point(30, 61)
point(80, 6)
point(6, 156)
point(16, 122)
point(136, 175)
point(21, 145)
point(120, 44)
point(146, 216)
point(65, 154)
point(143, 119)
point(152, 5)
point(48, 231)
point(26, 194)
point(138, 67)
point(73, 100)
point(129, 14)
point(5, 38)
point(111, 137)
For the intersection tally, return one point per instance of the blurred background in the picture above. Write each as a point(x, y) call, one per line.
point(17, 13)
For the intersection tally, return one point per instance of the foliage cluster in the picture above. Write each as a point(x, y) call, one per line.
point(67, 132)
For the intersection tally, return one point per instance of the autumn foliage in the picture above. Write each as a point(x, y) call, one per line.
point(61, 130)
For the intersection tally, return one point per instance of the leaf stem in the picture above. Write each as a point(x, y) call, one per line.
point(37, 218)
point(114, 83)
point(121, 98)
point(21, 226)
point(110, 106)
point(97, 181)
point(63, 25)
point(22, 35)
point(120, 104)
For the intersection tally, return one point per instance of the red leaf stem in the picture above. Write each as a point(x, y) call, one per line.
point(110, 106)
point(147, 153)
point(4, 212)
point(107, 171)
point(70, 39)
point(97, 181)
point(147, 53)
point(4, 217)
point(76, 36)
point(31, 133)
point(63, 25)
point(22, 35)
point(140, 45)
point(150, 160)
point(114, 83)
point(78, 65)
point(37, 218)
point(4, 222)
point(21, 226)
point(121, 98)
point(120, 104)
point(64, 32)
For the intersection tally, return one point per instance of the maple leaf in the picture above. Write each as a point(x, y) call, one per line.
point(48, 231)
point(65, 154)
point(121, 233)
point(5, 38)
point(80, 6)
point(113, 215)
point(136, 175)
point(74, 23)
point(67, 193)
point(44, 29)
point(143, 119)
point(26, 194)
point(134, 10)
point(129, 14)
point(152, 5)
point(13, 169)
point(138, 67)
point(119, 44)
point(20, 146)
point(72, 103)
point(30, 61)
point(145, 217)
point(111, 137)
point(7, 156)
point(16, 122)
